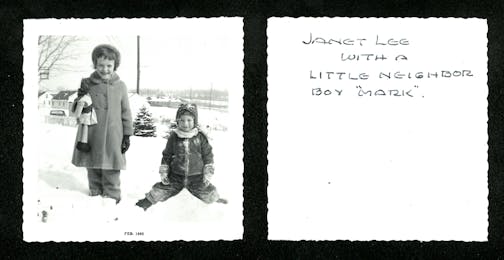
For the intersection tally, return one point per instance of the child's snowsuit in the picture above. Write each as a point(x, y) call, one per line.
point(185, 158)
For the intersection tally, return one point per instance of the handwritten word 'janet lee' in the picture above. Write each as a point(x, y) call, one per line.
point(357, 41)
point(390, 75)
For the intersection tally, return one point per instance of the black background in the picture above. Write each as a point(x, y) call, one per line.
point(254, 243)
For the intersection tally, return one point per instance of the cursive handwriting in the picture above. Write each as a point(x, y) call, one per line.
point(357, 41)
point(340, 41)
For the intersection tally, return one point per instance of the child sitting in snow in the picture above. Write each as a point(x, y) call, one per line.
point(85, 115)
point(187, 163)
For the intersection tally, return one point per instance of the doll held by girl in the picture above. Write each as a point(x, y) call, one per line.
point(86, 116)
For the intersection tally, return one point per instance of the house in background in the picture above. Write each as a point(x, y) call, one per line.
point(63, 100)
point(163, 101)
point(44, 99)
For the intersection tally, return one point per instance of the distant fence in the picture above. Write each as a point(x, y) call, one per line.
point(201, 103)
point(162, 103)
point(60, 120)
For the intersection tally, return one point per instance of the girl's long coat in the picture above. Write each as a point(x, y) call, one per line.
point(111, 104)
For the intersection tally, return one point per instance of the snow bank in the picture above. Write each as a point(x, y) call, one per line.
point(60, 189)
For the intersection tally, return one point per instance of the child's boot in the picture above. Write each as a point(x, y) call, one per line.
point(221, 200)
point(144, 203)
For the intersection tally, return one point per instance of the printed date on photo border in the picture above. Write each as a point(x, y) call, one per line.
point(128, 233)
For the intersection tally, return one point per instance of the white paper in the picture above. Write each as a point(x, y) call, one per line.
point(175, 54)
point(356, 156)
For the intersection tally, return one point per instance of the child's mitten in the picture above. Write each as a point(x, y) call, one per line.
point(163, 172)
point(125, 144)
point(83, 147)
point(208, 171)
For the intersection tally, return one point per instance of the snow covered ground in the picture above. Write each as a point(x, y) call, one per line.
point(60, 189)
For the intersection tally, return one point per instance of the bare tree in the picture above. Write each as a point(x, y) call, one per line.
point(54, 54)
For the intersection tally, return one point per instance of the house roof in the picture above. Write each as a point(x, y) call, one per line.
point(64, 95)
point(41, 93)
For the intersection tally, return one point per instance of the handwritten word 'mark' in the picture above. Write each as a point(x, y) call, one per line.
point(357, 41)
point(384, 92)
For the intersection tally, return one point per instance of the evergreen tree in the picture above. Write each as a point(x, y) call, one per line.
point(143, 125)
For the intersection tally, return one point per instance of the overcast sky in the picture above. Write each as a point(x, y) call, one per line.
point(194, 53)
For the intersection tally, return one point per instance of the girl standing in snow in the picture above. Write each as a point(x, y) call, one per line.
point(109, 137)
point(187, 163)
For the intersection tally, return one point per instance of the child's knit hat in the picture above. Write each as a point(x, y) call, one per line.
point(191, 108)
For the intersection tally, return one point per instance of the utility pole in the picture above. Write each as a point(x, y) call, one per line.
point(138, 64)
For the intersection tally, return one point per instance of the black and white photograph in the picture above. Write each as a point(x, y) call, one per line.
point(252, 129)
point(133, 129)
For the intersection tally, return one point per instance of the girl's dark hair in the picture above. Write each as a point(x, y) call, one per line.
point(108, 52)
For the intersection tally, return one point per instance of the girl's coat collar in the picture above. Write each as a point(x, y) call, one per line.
point(96, 79)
